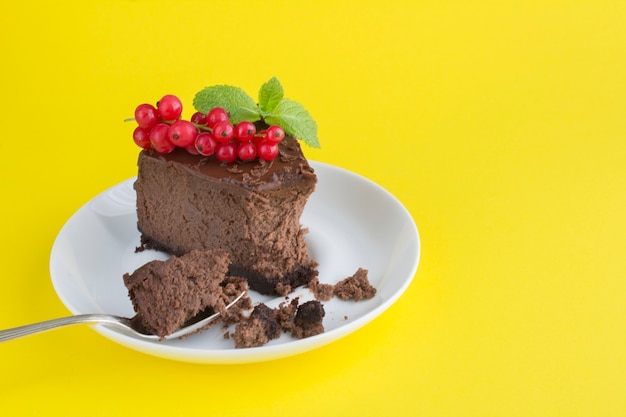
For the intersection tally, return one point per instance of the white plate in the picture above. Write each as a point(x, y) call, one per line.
point(353, 223)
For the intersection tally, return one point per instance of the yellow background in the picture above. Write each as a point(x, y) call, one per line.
point(501, 125)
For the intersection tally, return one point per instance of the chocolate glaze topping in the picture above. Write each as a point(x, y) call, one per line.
point(257, 175)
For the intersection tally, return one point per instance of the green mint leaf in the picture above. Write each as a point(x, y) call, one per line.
point(270, 94)
point(295, 120)
point(273, 109)
point(239, 105)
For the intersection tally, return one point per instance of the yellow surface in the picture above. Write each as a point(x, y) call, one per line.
point(500, 125)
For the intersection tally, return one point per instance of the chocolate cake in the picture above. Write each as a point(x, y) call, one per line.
point(250, 210)
point(166, 295)
point(223, 192)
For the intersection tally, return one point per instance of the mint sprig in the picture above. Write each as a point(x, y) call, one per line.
point(273, 108)
point(234, 100)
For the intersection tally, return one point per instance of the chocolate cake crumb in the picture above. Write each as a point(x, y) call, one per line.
point(308, 320)
point(268, 316)
point(265, 324)
point(258, 329)
point(321, 292)
point(356, 287)
point(285, 314)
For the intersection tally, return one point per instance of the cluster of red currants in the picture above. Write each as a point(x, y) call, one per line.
point(162, 129)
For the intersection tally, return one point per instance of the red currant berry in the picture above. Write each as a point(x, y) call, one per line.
point(274, 134)
point(192, 149)
point(205, 144)
point(267, 151)
point(244, 131)
point(182, 133)
point(170, 107)
point(226, 152)
point(141, 137)
point(159, 140)
point(199, 118)
point(146, 116)
point(258, 138)
point(246, 151)
point(217, 115)
point(223, 132)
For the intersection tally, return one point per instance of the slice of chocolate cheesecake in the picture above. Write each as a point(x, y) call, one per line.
point(250, 210)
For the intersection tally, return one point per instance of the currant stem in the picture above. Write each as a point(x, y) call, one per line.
point(203, 128)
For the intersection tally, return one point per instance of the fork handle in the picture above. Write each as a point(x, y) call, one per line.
point(56, 323)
